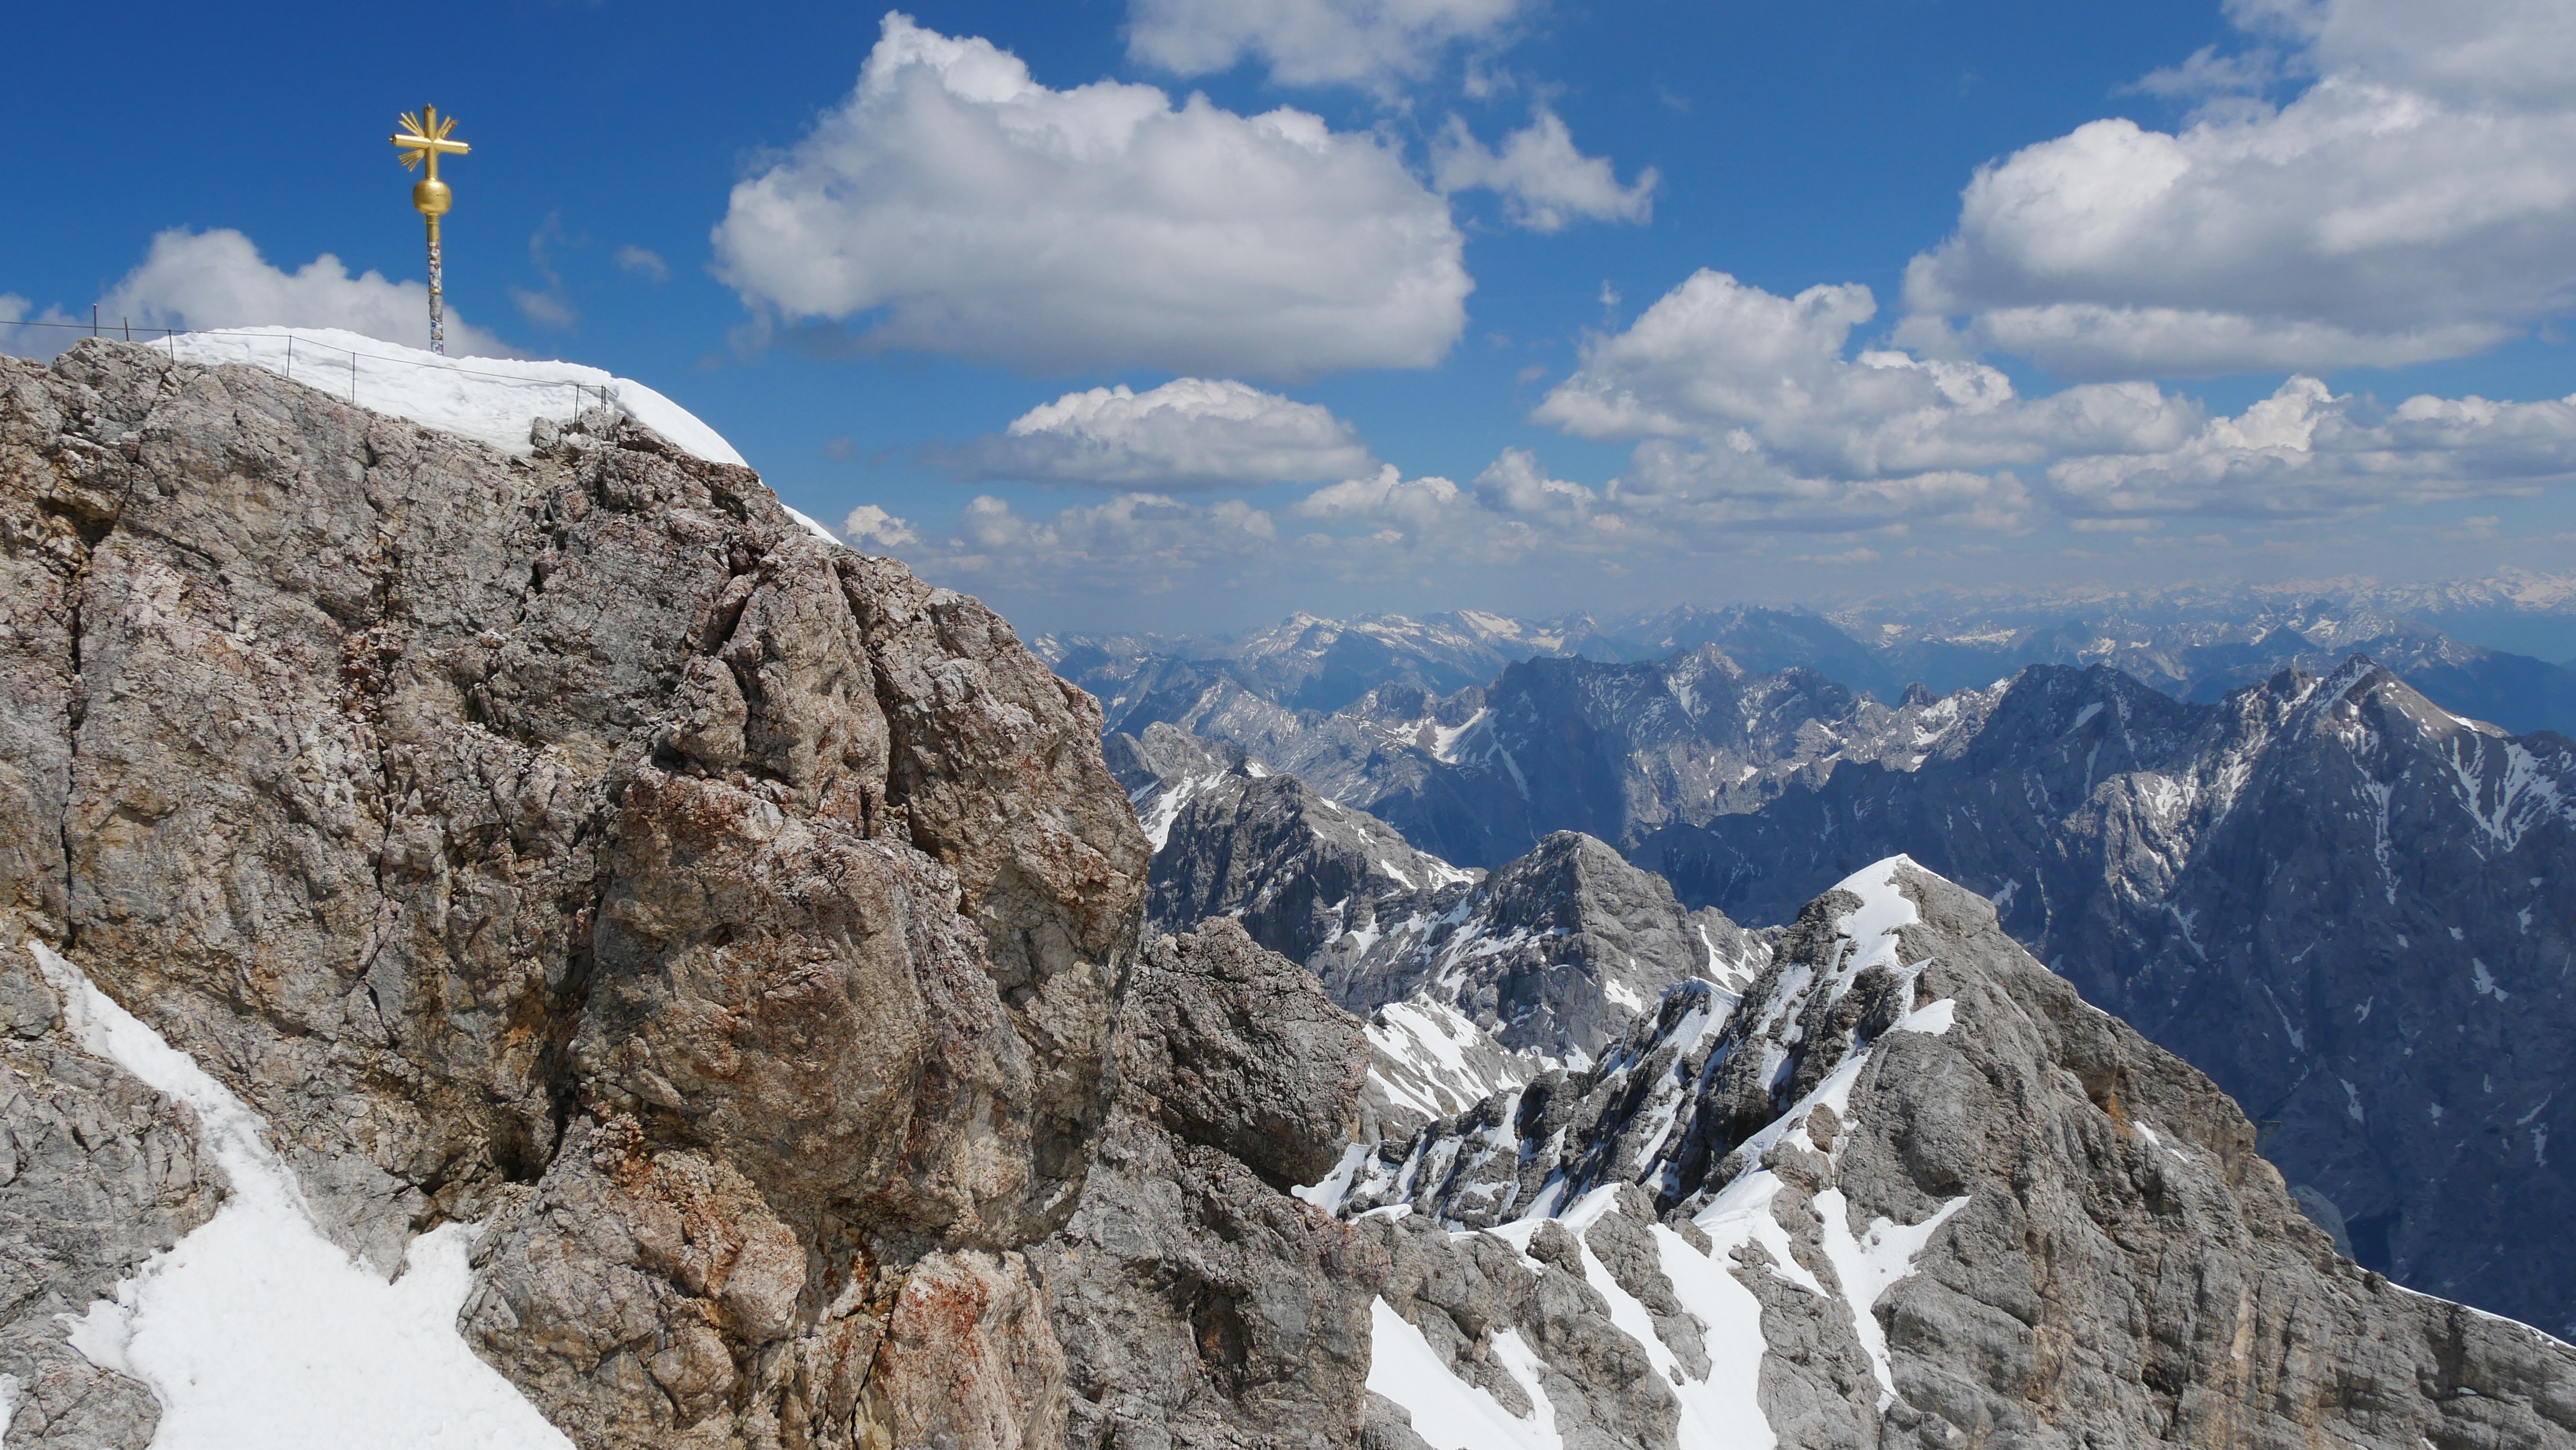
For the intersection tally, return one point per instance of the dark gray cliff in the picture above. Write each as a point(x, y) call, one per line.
point(2349, 906)
point(572, 841)
point(1298, 870)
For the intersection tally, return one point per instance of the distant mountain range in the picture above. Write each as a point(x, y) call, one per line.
point(1472, 981)
point(2346, 902)
point(2351, 907)
point(2190, 644)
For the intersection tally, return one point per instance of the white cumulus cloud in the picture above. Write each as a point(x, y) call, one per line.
point(958, 206)
point(1136, 543)
point(2308, 451)
point(1188, 433)
point(869, 526)
point(2305, 453)
point(218, 279)
point(18, 339)
point(1747, 412)
point(1544, 181)
point(2519, 53)
point(2412, 203)
point(1369, 43)
point(1512, 513)
point(1718, 361)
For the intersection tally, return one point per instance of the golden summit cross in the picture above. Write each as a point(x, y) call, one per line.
point(425, 139)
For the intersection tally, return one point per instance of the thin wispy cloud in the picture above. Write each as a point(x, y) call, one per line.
point(1374, 44)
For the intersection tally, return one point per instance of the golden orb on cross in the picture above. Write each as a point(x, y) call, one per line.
point(423, 138)
point(424, 142)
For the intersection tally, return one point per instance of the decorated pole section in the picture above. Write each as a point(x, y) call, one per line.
point(422, 138)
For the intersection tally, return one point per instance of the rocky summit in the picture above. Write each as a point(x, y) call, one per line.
point(1470, 980)
point(729, 924)
point(1912, 1190)
point(706, 970)
point(2348, 905)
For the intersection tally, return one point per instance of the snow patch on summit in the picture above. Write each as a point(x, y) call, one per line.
point(488, 399)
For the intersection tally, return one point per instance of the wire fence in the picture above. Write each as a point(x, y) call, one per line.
point(585, 395)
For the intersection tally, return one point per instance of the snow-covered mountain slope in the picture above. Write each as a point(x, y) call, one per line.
point(1912, 1190)
point(2349, 906)
point(514, 404)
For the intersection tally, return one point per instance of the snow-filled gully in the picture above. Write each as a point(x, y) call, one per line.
point(257, 1333)
point(1721, 1410)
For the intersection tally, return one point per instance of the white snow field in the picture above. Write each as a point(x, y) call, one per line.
point(488, 399)
point(257, 1333)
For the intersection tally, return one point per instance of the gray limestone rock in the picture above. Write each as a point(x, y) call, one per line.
point(455, 807)
point(1299, 871)
point(1601, 1386)
point(97, 1174)
point(1239, 1051)
point(1199, 1305)
point(2346, 904)
point(1965, 1206)
point(1492, 977)
point(1389, 1427)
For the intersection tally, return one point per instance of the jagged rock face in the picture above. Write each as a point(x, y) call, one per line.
point(1943, 1200)
point(1555, 954)
point(1471, 982)
point(2347, 905)
point(98, 1173)
point(1198, 1304)
point(1299, 871)
point(575, 839)
point(1238, 1049)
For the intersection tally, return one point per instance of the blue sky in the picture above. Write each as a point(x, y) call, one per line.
point(1512, 311)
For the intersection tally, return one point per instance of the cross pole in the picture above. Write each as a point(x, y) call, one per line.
point(431, 198)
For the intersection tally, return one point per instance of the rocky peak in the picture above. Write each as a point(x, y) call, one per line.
point(1469, 982)
point(1911, 1189)
point(1197, 1304)
point(2340, 899)
point(576, 844)
point(1298, 870)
